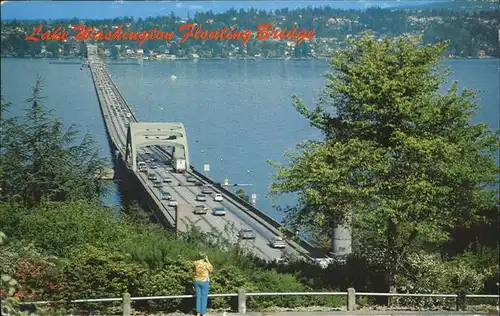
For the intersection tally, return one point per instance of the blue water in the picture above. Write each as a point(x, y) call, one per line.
point(238, 114)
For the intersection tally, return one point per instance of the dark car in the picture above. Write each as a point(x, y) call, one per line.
point(201, 197)
point(158, 185)
point(246, 234)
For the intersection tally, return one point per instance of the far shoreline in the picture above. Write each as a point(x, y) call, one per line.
point(118, 60)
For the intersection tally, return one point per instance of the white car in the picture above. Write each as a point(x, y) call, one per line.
point(172, 202)
point(218, 197)
point(277, 242)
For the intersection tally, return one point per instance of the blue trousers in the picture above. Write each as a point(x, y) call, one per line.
point(202, 289)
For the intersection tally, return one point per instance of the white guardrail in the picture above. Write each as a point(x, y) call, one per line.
point(350, 295)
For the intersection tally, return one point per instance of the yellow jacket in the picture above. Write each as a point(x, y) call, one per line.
point(202, 268)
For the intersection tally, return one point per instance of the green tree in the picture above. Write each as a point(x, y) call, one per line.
point(83, 49)
point(53, 48)
point(399, 159)
point(40, 160)
point(242, 195)
point(113, 52)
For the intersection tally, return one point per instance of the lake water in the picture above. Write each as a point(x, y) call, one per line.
point(238, 114)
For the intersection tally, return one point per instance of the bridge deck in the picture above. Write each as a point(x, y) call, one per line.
point(114, 109)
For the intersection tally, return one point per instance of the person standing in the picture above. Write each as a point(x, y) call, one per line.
point(202, 269)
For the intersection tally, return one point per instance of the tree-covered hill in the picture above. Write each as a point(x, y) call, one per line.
point(471, 34)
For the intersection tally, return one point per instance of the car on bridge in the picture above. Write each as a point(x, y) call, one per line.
point(218, 197)
point(277, 242)
point(167, 180)
point(153, 165)
point(172, 202)
point(200, 209)
point(219, 211)
point(191, 179)
point(143, 169)
point(165, 195)
point(158, 183)
point(246, 233)
point(207, 190)
point(201, 197)
point(152, 176)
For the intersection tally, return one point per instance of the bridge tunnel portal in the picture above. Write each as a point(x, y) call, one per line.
point(144, 134)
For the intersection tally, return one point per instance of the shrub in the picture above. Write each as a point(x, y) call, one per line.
point(9, 300)
point(174, 279)
point(228, 279)
point(426, 273)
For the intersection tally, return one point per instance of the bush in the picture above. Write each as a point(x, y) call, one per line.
point(102, 255)
point(10, 301)
point(60, 227)
point(174, 279)
point(228, 279)
point(429, 274)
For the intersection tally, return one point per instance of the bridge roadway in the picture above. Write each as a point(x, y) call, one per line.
point(114, 109)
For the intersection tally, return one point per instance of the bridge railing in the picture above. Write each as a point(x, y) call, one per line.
point(260, 214)
point(242, 295)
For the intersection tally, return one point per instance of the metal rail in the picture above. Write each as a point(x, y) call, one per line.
point(144, 298)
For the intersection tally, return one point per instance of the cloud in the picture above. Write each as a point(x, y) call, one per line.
point(196, 7)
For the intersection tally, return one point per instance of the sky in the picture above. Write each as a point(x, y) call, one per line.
point(110, 9)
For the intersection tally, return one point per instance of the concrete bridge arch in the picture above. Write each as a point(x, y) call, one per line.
point(143, 134)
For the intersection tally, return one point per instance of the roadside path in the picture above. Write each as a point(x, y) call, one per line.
point(339, 313)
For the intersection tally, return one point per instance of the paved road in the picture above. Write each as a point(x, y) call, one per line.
point(235, 219)
point(342, 313)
